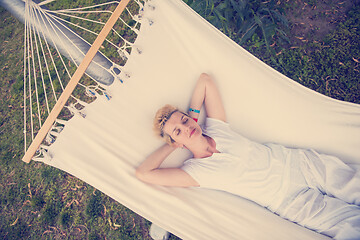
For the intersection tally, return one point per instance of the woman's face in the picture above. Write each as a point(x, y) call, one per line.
point(183, 129)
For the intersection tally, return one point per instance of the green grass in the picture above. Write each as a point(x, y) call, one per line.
point(38, 201)
point(329, 65)
point(41, 202)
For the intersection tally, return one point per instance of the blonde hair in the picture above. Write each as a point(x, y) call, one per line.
point(161, 117)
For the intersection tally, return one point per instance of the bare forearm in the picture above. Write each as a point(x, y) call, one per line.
point(198, 96)
point(207, 93)
point(154, 160)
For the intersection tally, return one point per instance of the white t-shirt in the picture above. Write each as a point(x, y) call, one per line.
point(261, 173)
point(290, 182)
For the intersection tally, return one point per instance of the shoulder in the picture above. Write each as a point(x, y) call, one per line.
point(213, 124)
point(209, 122)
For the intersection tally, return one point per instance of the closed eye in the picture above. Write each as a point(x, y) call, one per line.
point(177, 131)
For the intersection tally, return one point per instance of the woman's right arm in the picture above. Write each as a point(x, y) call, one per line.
point(149, 170)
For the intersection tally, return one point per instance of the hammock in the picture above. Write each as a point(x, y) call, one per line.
point(106, 146)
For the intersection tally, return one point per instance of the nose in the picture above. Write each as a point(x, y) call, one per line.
point(186, 128)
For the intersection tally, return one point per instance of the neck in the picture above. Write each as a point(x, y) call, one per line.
point(203, 148)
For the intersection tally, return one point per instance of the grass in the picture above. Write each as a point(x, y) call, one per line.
point(38, 201)
point(41, 202)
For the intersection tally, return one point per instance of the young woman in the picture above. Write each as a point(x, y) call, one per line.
point(314, 190)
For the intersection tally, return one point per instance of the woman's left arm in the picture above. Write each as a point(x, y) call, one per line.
point(207, 93)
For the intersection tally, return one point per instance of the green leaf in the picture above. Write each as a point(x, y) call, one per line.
point(222, 6)
point(258, 20)
point(248, 33)
point(219, 15)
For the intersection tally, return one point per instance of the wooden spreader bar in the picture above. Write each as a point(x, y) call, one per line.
point(74, 81)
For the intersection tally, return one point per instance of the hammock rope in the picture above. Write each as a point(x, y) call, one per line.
point(88, 7)
point(52, 61)
point(121, 49)
point(48, 19)
point(76, 10)
point(25, 80)
point(55, 29)
point(39, 62)
point(36, 39)
point(54, 21)
point(32, 33)
point(45, 2)
point(47, 69)
point(27, 46)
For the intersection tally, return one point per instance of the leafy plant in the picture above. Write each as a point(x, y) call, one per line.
point(242, 19)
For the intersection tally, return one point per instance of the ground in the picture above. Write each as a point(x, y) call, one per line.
point(311, 20)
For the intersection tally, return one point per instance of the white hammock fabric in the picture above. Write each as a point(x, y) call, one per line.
point(176, 44)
